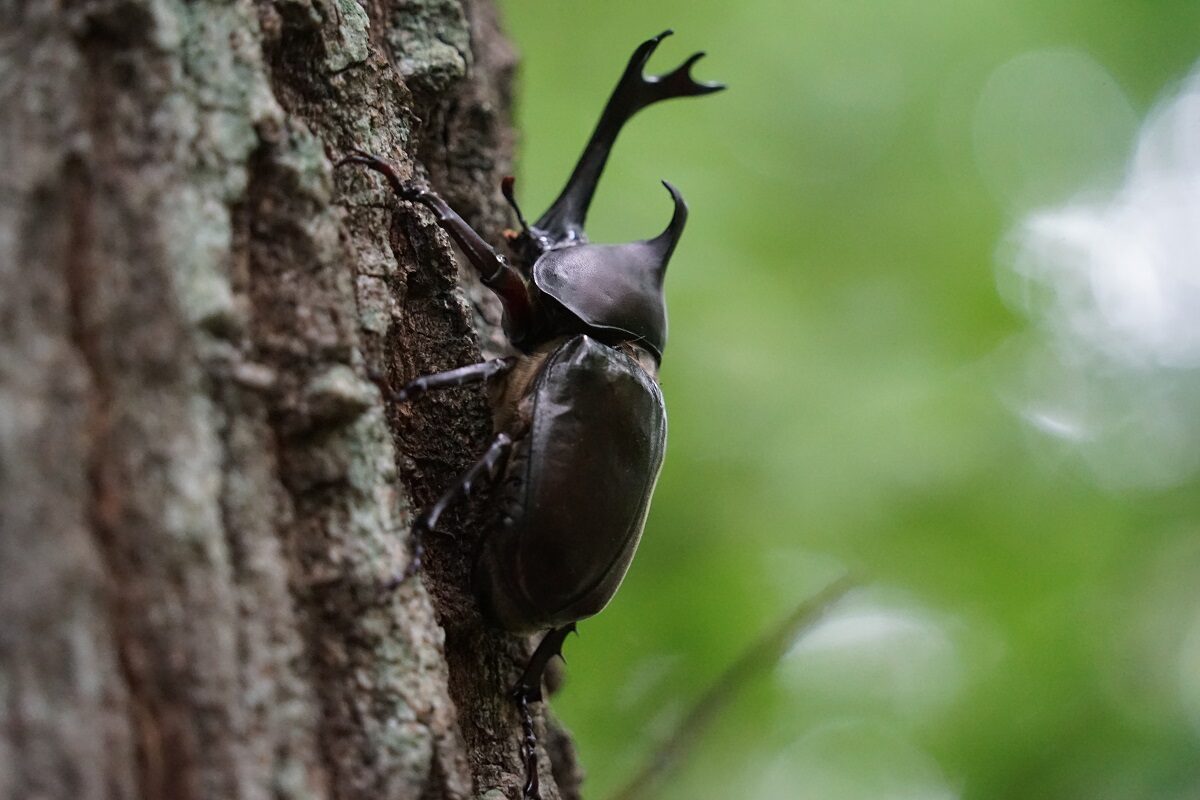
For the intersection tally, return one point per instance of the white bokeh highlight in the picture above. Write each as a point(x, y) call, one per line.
point(1112, 285)
point(853, 759)
point(882, 656)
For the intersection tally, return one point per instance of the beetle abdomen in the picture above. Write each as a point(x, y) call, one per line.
point(579, 489)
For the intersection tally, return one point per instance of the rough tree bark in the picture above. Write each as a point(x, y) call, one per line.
point(200, 491)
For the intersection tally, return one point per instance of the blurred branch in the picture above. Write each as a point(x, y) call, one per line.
point(758, 658)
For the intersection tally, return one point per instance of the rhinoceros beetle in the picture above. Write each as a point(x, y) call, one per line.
point(579, 420)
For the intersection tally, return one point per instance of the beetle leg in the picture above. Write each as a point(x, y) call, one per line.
point(563, 221)
point(472, 373)
point(528, 749)
point(488, 467)
point(494, 270)
point(529, 690)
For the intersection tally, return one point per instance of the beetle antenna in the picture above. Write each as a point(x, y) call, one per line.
point(506, 188)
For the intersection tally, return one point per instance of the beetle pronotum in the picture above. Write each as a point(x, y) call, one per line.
point(580, 425)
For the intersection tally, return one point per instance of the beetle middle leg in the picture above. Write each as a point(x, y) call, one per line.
point(488, 467)
point(529, 690)
point(459, 376)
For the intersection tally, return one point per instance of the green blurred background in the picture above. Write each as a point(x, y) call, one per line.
point(838, 386)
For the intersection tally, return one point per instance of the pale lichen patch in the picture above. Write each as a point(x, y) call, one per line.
point(351, 32)
point(336, 395)
point(431, 42)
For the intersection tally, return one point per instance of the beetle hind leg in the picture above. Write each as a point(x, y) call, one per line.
point(487, 469)
point(529, 690)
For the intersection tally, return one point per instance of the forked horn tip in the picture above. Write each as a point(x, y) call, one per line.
point(693, 86)
point(644, 50)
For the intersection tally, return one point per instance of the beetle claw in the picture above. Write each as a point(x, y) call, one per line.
point(406, 189)
point(356, 155)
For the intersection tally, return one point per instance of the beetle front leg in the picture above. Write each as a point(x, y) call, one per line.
point(488, 467)
point(494, 270)
point(529, 690)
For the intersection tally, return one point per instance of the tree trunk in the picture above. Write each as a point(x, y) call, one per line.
point(201, 493)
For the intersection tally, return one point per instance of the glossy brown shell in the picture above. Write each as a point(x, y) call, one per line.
point(577, 489)
point(616, 288)
point(611, 287)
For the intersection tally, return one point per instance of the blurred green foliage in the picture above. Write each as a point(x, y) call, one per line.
point(835, 382)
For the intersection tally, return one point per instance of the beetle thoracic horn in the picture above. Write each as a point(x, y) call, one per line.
point(664, 243)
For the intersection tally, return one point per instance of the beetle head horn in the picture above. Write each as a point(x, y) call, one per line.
point(563, 221)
